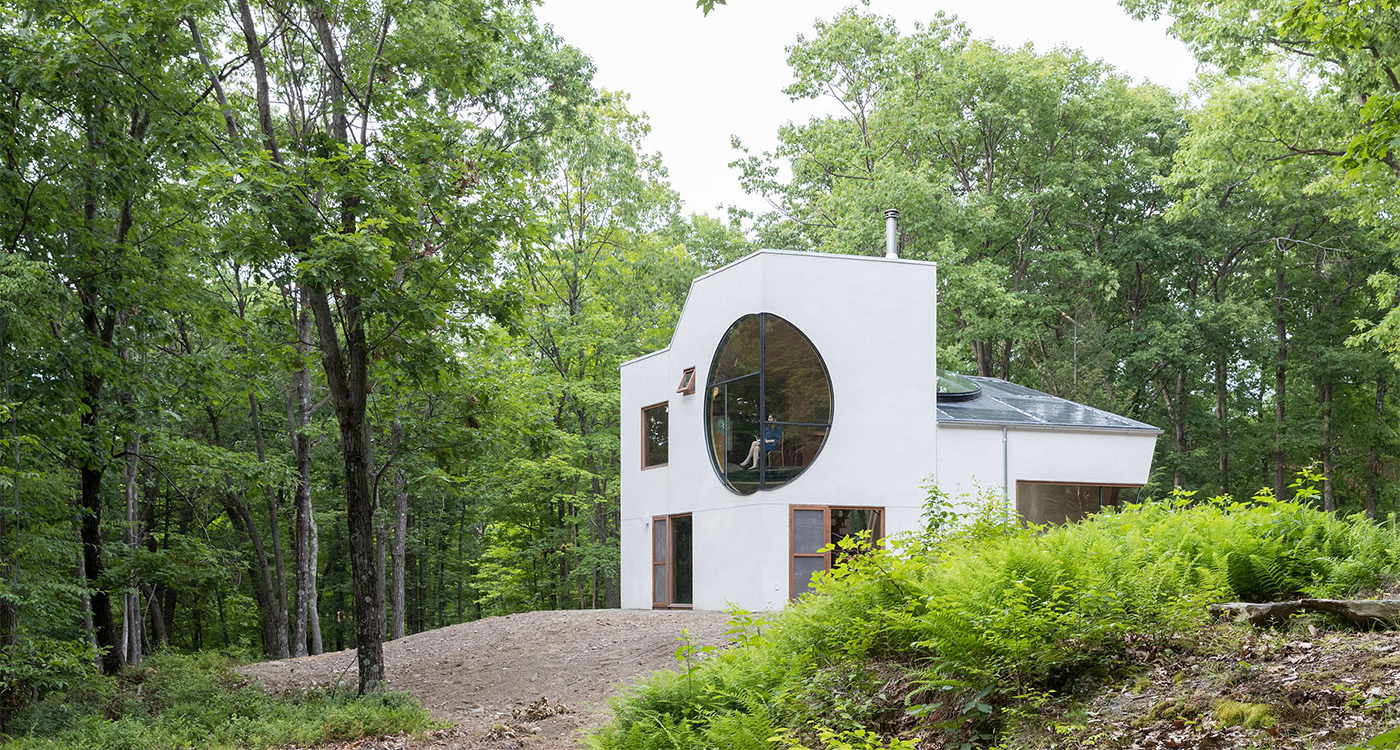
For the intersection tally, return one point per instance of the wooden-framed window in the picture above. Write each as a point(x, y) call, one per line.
point(814, 528)
point(1044, 503)
point(687, 385)
point(656, 435)
point(672, 563)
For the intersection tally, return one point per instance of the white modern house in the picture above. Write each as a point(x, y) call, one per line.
point(799, 402)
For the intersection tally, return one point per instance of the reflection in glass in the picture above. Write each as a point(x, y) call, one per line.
point(796, 387)
point(770, 404)
point(808, 531)
point(655, 435)
point(658, 558)
point(803, 568)
point(1043, 504)
point(680, 547)
point(738, 354)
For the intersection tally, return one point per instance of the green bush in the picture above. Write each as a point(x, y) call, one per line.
point(182, 701)
point(944, 629)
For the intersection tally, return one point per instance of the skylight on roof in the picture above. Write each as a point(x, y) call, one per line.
point(955, 387)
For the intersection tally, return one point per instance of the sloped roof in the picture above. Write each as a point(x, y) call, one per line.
point(1003, 403)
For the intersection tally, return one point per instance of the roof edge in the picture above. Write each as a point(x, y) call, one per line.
point(772, 251)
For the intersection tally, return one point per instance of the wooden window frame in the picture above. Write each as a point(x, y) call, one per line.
point(826, 524)
point(669, 562)
point(645, 409)
point(687, 385)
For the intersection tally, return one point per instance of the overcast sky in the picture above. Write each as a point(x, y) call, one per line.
point(703, 78)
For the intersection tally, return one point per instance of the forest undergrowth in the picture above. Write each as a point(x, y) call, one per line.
point(176, 701)
point(979, 633)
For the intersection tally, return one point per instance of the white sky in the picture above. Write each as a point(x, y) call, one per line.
point(701, 79)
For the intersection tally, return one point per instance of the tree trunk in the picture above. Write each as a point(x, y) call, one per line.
point(159, 627)
point(1179, 430)
point(1280, 379)
point(347, 373)
point(237, 508)
point(278, 600)
point(1324, 397)
point(347, 368)
point(298, 419)
point(85, 598)
point(396, 596)
point(313, 602)
point(1373, 464)
point(131, 619)
point(90, 478)
point(1222, 419)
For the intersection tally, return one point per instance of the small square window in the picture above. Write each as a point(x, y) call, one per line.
point(655, 435)
point(687, 385)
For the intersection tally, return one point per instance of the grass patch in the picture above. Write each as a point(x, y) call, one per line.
point(174, 701)
point(1247, 715)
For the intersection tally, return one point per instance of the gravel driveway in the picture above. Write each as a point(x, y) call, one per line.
point(485, 675)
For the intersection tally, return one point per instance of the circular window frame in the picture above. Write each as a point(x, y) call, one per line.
point(763, 380)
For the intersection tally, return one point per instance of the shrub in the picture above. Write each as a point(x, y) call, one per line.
point(978, 615)
point(181, 701)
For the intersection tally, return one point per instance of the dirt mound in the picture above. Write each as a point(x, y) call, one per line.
point(1294, 688)
point(505, 679)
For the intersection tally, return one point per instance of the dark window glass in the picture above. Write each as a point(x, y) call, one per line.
point(658, 541)
point(816, 534)
point(770, 404)
point(681, 555)
point(808, 531)
point(659, 536)
point(655, 434)
point(852, 521)
point(738, 354)
point(1043, 504)
point(795, 382)
point(803, 568)
point(658, 584)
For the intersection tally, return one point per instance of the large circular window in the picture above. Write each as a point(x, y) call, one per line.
point(769, 404)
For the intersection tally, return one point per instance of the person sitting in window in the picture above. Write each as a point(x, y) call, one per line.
point(772, 435)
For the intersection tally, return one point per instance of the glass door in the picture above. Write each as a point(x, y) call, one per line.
point(672, 565)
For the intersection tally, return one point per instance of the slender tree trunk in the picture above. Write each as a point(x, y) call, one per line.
point(396, 596)
point(85, 598)
point(1324, 397)
point(223, 621)
point(1222, 419)
point(1179, 429)
point(90, 478)
point(131, 620)
point(1373, 464)
point(313, 603)
point(298, 419)
point(236, 506)
point(1280, 379)
point(461, 558)
point(278, 582)
point(9, 613)
point(159, 628)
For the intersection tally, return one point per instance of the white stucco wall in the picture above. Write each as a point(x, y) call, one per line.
point(972, 456)
point(873, 321)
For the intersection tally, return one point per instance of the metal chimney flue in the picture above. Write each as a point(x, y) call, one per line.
point(892, 233)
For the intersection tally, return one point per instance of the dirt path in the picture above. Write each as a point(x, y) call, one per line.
point(484, 675)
